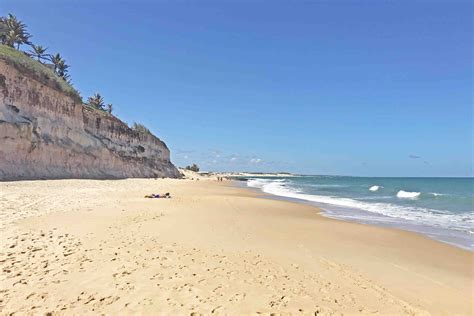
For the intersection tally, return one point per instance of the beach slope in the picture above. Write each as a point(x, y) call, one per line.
point(89, 246)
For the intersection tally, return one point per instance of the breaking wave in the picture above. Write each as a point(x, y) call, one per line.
point(419, 215)
point(407, 195)
point(374, 188)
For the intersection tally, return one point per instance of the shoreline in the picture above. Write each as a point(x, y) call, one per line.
point(361, 216)
point(320, 209)
point(212, 247)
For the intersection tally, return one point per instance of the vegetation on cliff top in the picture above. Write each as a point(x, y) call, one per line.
point(97, 102)
point(37, 70)
point(13, 33)
point(34, 63)
point(140, 128)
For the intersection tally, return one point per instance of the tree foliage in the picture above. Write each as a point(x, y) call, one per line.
point(13, 32)
point(60, 66)
point(140, 128)
point(96, 101)
point(38, 52)
point(193, 167)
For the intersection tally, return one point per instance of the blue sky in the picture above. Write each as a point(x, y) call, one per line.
point(376, 88)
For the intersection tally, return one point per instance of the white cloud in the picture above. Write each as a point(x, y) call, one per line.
point(255, 160)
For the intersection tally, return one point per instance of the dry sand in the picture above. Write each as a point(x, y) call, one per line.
point(85, 246)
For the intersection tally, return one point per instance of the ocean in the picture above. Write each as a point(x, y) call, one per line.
point(441, 208)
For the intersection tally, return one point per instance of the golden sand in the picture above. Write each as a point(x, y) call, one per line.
point(88, 246)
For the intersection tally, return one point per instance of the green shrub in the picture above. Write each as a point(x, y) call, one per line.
point(140, 128)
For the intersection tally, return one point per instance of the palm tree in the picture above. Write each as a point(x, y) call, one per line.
point(62, 70)
point(96, 101)
point(38, 51)
point(109, 108)
point(60, 66)
point(15, 32)
point(56, 60)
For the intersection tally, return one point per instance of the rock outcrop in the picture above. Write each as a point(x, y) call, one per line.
point(48, 134)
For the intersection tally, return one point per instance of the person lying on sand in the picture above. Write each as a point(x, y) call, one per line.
point(158, 196)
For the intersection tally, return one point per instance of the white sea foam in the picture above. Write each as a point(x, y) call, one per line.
point(407, 195)
point(374, 188)
point(435, 218)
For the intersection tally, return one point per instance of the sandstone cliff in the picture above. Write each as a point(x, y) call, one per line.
point(47, 133)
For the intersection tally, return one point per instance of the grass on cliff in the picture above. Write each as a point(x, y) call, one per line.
point(38, 71)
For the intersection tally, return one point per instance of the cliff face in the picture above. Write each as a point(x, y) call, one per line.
point(45, 133)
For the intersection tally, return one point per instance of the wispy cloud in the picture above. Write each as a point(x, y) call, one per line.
point(219, 160)
point(418, 157)
point(184, 151)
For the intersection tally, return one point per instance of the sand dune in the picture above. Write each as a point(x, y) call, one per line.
point(84, 246)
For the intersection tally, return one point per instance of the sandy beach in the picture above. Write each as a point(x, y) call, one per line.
point(90, 246)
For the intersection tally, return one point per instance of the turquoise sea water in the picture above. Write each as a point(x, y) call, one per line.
point(441, 208)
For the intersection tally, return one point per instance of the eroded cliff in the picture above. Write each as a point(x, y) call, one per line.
point(46, 133)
